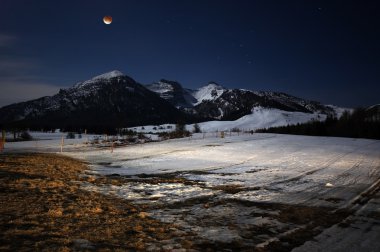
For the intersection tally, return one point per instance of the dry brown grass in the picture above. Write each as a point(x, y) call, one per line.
point(43, 208)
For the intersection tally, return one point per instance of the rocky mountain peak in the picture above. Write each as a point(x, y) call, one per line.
point(108, 75)
point(214, 85)
point(103, 77)
point(210, 91)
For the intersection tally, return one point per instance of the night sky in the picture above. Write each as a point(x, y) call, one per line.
point(320, 50)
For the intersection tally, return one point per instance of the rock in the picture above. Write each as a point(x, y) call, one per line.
point(143, 215)
point(83, 244)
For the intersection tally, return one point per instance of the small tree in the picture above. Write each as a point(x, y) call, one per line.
point(141, 135)
point(197, 129)
point(179, 127)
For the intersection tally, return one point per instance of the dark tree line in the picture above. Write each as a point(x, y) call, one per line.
point(361, 123)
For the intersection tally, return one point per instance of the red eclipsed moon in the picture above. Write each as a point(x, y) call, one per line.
point(107, 19)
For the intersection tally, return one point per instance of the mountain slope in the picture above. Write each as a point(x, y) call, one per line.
point(260, 118)
point(373, 113)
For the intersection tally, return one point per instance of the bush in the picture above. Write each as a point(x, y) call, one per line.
point(26, 136)
point(128, 132)
point(70, 135)
point(174, 134)
point(235, 130)
point(179, 127)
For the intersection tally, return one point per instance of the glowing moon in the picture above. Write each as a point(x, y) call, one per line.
point(107, 19)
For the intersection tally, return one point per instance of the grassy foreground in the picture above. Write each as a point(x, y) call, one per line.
point(42, 208)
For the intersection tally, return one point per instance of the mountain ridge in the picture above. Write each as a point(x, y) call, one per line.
point(213, 101)
point(116, 100)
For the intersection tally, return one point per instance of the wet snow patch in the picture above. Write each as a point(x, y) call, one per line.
point(141, 192)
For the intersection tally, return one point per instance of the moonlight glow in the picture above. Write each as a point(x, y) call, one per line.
point(107, 19)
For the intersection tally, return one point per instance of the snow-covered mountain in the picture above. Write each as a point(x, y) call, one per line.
point(108, 100)
point(103, 77)
point(180, 97)
point(213, 101)
point(173, 92)
point(209, 92)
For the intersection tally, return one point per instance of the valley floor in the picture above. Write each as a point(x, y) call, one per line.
point(262, 192)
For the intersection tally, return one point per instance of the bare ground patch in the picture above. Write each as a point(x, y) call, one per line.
point(277, 227)
point(43, 208)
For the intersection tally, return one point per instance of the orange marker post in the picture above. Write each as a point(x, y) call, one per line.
point(2, 144)
point(62, 142)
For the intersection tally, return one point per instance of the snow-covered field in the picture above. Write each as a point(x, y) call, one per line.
point(258, 119)
point(242, 189)
point(262, 118)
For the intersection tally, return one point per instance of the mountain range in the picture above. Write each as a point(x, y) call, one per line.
point(114, 100)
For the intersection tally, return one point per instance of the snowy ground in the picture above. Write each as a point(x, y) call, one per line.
point(258, 119)
point(246, 191)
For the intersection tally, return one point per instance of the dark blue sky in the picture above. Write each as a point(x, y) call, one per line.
point(320, 50)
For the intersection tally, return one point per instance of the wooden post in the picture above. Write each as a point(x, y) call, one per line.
point(85, 136)
point(62, 142)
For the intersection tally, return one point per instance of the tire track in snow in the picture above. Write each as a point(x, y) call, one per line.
point(326, 164)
